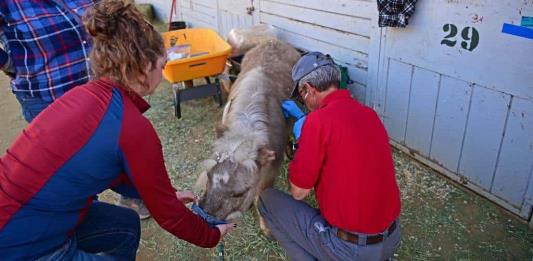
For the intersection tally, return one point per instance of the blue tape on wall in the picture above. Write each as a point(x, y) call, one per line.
point(527, 21)
point(517, 30)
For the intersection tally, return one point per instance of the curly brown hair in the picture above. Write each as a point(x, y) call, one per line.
point(124, 43)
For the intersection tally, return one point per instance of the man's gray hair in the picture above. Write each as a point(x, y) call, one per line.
point(322, 78)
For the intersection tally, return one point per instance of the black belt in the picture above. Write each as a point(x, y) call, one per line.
point(370, 240)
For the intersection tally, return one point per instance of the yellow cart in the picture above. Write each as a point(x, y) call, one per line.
point(207, 57)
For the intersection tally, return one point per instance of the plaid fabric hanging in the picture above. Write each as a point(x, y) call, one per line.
point(395, 13)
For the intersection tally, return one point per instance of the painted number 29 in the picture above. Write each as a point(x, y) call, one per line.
point(469, 34)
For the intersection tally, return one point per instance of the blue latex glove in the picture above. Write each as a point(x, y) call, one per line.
point(297, 128)
point(291, 109)
point(211, 221)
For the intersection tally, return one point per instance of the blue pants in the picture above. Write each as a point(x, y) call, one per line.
point(108, 232)
point(306, 235)
point(31, 106)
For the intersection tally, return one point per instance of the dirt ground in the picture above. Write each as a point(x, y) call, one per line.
point(11, 121)
point(439, 219)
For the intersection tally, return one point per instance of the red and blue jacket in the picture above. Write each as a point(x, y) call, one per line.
point(91, 139)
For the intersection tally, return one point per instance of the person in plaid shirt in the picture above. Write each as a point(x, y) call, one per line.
point(44, 49)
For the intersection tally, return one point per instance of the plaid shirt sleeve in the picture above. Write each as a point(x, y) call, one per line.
point(47, 47)
point(395, 13)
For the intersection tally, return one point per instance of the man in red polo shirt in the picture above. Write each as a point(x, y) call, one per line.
point(344, 155)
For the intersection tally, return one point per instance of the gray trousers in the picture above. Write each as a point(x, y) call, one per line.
point(305, 235)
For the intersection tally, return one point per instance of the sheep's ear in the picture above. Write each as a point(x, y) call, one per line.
point(220, 128)
point(265, 156)
point(201, 182)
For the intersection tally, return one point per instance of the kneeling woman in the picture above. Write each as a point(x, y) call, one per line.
point(91, 139)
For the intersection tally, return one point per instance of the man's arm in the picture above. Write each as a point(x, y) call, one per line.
point(299, 193)
point(304, 169)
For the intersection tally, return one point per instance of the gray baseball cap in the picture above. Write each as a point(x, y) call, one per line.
point(308, 63)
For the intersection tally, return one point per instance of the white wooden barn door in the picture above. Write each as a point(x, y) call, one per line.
point(199, 13)
point(236, 13)
point(457, 92)
point(345, 29)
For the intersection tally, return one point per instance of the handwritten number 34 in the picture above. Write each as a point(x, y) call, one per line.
point(469, 34)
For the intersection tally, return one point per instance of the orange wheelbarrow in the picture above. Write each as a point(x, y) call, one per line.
point(205, 55)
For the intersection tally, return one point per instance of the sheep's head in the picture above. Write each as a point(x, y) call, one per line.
point(231, 180)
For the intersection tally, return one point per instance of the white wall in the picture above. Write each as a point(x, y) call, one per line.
point(458, 93)
point(346, 29)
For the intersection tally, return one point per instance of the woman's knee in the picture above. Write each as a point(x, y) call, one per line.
point(132, 222)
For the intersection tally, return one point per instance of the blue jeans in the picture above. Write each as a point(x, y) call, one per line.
point(108, 232)
point(306, 235)
point(31, 106)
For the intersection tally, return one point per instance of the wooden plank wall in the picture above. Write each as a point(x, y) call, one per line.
point(446, 107)
point(199, 13)
point(397, 101)
point(515, 167)
point(342, 28)
point(482, 135)
point(450, 120)
point(232, 14)
point(230, 20)
point(424, 90)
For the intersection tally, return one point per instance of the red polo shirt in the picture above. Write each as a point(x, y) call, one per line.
point(344, 154)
